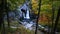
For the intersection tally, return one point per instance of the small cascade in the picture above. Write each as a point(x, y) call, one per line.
point(27, 15)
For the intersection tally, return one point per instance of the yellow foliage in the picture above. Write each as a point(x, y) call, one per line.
point(34, 1)
point(46, 7)
point(35, 6)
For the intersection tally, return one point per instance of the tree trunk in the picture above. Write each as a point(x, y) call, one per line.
point(56, 22)
point(2, 10)
point(7, 12)
point(8, 21)
point(38, 17)
point(52, 19)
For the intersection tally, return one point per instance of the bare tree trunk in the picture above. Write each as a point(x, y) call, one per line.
point(2, 10)
point(38, 17)
point(52, 19)
point(7, 12)
point(2, 25)
point(56, 22)
point(3, 28)
point(8, 21)
point(1, 20)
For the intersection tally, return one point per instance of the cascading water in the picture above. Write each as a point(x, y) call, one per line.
point(27, 15)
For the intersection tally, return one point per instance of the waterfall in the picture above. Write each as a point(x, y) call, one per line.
point(27, 15)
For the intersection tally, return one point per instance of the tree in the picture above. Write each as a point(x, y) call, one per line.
point(56, 22)
point(2, 10)
point(38, 17)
